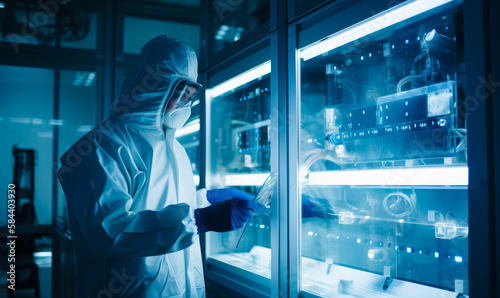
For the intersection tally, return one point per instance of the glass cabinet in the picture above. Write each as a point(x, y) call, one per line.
point(383, 169)
point(239, 156)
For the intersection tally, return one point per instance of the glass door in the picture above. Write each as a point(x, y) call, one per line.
point(383, 156)
point(239, 156)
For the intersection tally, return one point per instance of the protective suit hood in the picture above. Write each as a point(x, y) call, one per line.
point(146, 90)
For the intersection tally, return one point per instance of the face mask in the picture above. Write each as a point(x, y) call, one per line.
point(176, 118)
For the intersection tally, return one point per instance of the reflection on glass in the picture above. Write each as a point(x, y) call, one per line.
point(234, 19)
point(80, 30)
point(77, 108)
point(27, 122)
point(25, 22)
point(240, 158)
point(138, 31)
point(384, 157)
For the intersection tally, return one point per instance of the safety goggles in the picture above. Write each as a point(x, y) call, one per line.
point(184, 93)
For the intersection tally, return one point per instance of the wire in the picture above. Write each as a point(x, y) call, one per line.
point(409, 203)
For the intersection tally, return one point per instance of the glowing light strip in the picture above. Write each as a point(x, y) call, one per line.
point(456, 176)
point(241, 79)
point(378, 22)
point(187, 130)
point(246, 179)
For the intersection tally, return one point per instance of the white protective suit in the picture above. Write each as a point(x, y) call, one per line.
point(130, 190)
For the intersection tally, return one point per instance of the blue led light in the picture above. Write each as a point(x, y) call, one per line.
point(407, 41)
point(420, 251)
point(458, 259)
point(396, 247)
point(408, 250)
point(436, 254)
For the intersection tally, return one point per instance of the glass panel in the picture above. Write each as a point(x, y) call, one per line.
point(383, 155)
point(303, 6)
point(25, 22)
point(79, 30)
point(138, 31)
point(26, 122)
point(77, 108)
point(234, 19)
point(239, 153)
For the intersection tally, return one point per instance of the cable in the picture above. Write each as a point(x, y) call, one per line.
point(409, 203)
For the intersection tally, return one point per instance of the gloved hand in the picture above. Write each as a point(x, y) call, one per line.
point(223, 194)
point(225, 216)
point(316, 207)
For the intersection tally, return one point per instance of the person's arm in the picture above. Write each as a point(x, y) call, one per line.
point(98, 194)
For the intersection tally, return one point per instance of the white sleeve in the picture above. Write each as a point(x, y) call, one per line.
point(98, 195)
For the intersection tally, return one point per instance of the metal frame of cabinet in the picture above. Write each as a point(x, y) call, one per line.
point(297, 26)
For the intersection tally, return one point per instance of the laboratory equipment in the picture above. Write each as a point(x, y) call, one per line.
point(239, 156)
point(383, 138)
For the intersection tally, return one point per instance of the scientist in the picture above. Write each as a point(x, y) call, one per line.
point(133, 210)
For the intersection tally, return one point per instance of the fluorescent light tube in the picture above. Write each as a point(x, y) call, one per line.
point(241, 79)
point(373, 24)
point(450, 176)
point(246, 179)
point(187, 130)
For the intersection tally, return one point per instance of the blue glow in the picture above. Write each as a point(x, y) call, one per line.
point(436, 254)
point(420, 251)
point(418, 38)
point(393, 46)
point(446, 28)
point(408, 250)
point(396, 247)
point(407, 41)
point(2, 5)
point(458, 259)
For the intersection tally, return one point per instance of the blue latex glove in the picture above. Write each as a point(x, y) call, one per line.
point(316, 207)
point(225, 216)
point(223, 194)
